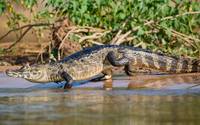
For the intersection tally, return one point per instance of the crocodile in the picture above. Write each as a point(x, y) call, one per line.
point(99, 59)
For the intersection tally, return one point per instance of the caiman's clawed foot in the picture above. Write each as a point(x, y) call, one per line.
point(101, 78)
point(68, 86)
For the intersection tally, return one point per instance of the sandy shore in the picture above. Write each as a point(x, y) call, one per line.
point(4, 68)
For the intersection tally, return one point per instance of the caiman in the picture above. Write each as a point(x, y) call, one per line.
point(93, 61)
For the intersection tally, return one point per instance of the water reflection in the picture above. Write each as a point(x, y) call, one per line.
point(165, 99)
point(98, 107)
point(175, 81)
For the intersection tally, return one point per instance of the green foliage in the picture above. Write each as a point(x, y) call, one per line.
point(15, 19)
point(111, 15)
point(29, 3)
point(2, 6)
point(1, 51)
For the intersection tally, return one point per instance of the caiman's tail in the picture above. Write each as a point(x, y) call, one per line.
point(163, 63)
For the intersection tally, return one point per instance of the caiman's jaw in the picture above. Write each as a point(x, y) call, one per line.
point(18, 73)
point(15, 74)
point(33, 73)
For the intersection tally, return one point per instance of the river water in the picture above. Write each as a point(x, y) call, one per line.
point(137, 100)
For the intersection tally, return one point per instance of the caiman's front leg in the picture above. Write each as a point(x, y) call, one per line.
point(117, 62)
point(67, 78)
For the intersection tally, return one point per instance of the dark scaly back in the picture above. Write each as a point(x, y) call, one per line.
point(87, 51)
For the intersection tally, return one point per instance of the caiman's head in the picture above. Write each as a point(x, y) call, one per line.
point(37, 73)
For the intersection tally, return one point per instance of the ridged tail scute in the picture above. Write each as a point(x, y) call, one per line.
point(184, 65)
point(176, 65)
point(194, 65)
point(163, 63)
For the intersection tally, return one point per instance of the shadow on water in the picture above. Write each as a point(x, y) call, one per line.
point(178, 81)
point(137, 100)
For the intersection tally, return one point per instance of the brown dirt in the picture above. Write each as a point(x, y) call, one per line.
point(4, 68)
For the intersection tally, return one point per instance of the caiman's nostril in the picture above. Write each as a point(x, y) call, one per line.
point(7, 71)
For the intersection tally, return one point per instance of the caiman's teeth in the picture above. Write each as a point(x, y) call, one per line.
point(8, 73)
point(13, 74)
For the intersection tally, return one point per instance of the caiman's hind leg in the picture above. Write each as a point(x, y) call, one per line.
point(68, 80)
point(117, 61)
point(131, 70)
point(128, 71)
point(114, 61)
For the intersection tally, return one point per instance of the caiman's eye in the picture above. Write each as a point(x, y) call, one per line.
point(34, 73)
point(36, 69)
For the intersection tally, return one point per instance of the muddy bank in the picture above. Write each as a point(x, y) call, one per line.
point(14, 62)
point(4, 68)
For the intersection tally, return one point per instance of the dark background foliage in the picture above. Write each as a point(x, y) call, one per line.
point(170, 26)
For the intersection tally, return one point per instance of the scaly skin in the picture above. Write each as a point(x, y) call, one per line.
point(93, 61)
point(160, 63)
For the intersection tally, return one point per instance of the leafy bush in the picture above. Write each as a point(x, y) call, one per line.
point(111, 15)
point(2, 6)
point(168, 25)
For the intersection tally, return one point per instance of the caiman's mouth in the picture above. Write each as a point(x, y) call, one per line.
point(13, 73)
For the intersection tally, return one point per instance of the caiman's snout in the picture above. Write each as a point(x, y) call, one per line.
point(33, 74)
point(13, 73)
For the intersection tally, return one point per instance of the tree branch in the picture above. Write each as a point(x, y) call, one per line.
point(115, 39)
point(118, 38)
point(93, 36)
point(23, 34)
point(166, 18)
point(25, 26)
